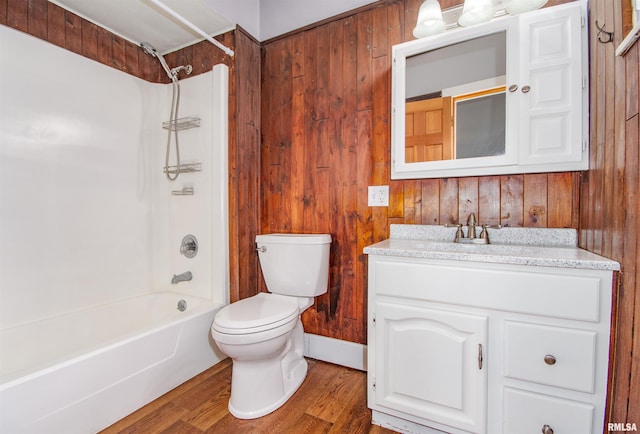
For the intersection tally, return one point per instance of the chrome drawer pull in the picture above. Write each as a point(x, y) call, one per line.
point(526, 89)
point(546, 429)
point(550, 360)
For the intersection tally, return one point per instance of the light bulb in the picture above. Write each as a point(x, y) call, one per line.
point(476, 12)
point(430, 20)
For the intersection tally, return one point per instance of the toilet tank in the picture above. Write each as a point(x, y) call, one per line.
point(295, 264)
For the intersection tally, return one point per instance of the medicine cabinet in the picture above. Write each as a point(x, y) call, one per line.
point(509, 96)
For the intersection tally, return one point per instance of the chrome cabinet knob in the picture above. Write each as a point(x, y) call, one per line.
point(513, 88)
point(546, 429)
point(549, 359)
point(526, 89)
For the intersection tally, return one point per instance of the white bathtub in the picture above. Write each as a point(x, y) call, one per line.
point(82, 371)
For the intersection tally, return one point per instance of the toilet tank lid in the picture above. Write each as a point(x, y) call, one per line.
point(294, 238)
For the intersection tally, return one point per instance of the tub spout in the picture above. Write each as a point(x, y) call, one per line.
point(177, 278)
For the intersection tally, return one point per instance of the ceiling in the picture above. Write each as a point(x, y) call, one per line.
point(143, 21)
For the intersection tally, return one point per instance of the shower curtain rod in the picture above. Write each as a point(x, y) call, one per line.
point(188, 23)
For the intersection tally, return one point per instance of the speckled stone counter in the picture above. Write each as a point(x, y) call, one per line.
point(520, 246)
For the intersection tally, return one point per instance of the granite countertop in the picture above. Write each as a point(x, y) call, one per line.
point(519, 246)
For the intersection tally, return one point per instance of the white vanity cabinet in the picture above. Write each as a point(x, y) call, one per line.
point(465, 346)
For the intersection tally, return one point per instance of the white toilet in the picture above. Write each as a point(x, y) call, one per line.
point(263, 334)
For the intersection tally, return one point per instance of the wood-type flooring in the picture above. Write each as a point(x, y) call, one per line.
point(332, 399)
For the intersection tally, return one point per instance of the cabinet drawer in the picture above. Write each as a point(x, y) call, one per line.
point(558, 293)
point(526, 412)
point(555, 356)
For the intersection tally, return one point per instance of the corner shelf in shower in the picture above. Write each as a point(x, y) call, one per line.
point(184, 168)
point(182, 124)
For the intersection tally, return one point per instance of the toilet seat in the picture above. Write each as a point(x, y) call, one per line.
point(256, 314)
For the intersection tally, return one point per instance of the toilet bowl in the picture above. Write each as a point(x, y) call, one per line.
point(263, 335)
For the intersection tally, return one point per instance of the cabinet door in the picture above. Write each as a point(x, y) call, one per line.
point(430, 364)
point(552, 89)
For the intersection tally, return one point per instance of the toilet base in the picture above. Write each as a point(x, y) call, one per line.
point(288, 391)
point(258, 387)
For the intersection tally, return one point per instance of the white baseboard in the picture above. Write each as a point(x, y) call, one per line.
point(401, 425)
point(336, 351)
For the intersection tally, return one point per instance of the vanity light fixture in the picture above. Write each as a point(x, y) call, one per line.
point(430, 20)
point(519, 6)
point(476, 12)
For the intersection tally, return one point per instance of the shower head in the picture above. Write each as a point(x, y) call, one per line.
point(171, 73)
point(151, 51)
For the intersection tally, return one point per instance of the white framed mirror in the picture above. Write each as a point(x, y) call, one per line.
point(508, 96)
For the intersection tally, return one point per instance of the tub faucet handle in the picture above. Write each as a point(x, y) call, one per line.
point(189, 246)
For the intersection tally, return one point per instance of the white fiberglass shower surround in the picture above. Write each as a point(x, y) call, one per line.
point(90, 235)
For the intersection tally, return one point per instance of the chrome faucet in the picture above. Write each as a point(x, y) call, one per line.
point(177, 278)
point(472, 238)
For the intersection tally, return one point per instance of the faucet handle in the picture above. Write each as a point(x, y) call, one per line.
point(492, 226)
point(459, 233)
point(484, 234)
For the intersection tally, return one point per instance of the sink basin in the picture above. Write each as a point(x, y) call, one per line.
point(472, 240)
point(469, 247)
point(448, 245)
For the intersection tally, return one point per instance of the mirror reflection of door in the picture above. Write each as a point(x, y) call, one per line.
point(428, 130)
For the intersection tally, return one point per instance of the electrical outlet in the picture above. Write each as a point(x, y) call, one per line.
point(378, 195)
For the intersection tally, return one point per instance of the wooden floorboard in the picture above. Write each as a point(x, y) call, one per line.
point(332, 399)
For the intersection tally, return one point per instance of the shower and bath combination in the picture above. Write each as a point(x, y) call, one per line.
point(175, 102)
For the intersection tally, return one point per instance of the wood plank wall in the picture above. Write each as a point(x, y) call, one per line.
point(244, 169)
point(326, 137)
point(610, 203)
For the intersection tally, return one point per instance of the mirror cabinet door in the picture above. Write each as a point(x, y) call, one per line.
point(553, 90)
point(450, 103)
